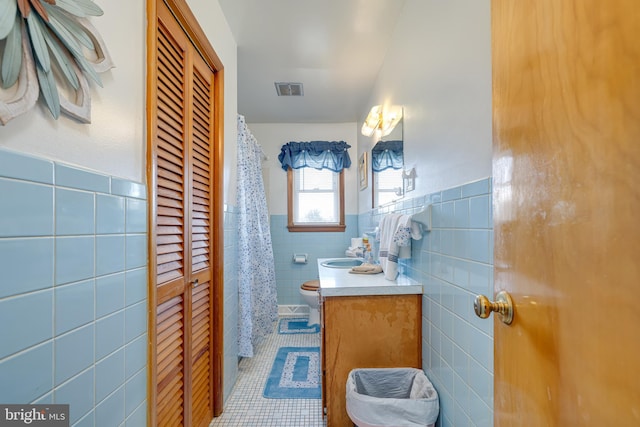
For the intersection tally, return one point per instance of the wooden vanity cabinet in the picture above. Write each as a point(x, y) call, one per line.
point(371, 331)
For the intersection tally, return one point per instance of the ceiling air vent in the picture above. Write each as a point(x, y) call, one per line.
point(289, 89)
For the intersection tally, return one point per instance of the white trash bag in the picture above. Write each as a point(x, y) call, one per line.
point(398, 397)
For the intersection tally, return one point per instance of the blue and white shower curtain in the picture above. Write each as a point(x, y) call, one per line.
point(258, 302)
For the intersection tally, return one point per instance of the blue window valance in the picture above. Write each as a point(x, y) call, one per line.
point(387, 154)
point(332, 155)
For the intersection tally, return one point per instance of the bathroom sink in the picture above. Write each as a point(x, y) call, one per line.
point(342, 262)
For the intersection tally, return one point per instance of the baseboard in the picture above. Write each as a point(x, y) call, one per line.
point(293, 310)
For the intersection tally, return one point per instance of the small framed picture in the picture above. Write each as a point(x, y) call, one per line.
point(362, 171)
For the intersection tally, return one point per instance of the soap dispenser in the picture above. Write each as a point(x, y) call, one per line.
point(367, 255)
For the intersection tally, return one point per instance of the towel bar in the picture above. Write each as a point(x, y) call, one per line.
point(423, 217)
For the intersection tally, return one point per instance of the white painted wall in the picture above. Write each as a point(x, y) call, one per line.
point(114, 143)
point(439, 68)
point(272, 137)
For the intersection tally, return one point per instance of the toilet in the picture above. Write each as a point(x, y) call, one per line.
point(310, 295)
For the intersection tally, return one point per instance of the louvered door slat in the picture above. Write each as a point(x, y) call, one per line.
point(170, 122)
point(200, 251)
point(197, 245)
point(201, 166)
point(168, 240)
point(201, 392)
point(163, 259)
point(173, 174)
point(170, 360)
point(204, 203)
point(200, 238)
point(197, 154)
point(169, 248)
point(201, 341)
point(167, 43)
point(168, 166)
point(200, 131)
point(200, 221)
point(171, 107)
point(169, 222)
point(168, 151)
point(165, 193)
point(168, 86)
point(200, 161)
point(200, 216)
point(168, 134)
point(201, 186)
point(169, 212)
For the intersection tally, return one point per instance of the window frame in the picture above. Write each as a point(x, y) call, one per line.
point(293, 227)
point(375, 190)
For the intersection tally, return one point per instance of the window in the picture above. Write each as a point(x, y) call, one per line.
point(315, 200)
point(387, 186)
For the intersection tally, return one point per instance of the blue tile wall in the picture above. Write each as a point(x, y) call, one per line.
point(18, 272)
point(31, 315)
point(73, 353)
point(74, 212)
point(73, 256)
point(74, 305)
point(230, 300)
point(27, 209)
point(454, 261)
point(78, 393)
point(290, 276)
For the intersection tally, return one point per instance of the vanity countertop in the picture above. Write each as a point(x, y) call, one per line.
point(339, 282)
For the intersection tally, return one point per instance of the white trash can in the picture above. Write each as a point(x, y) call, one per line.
point(398, 397)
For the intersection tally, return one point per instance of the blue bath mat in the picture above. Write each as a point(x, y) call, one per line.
point(297, 326)
point(295, 374)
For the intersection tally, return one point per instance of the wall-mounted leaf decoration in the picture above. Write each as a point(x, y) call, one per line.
point(57, 35)
point(75, 29)
point(37, 41)
point(72, 7)
point(49, 91)
point(63, 63)
point(8, 10)
point(12, 57)
point(89, 7)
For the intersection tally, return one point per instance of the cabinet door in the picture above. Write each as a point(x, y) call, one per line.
point(382, 331)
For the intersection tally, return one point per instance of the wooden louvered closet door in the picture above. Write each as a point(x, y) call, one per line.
point(182, 171)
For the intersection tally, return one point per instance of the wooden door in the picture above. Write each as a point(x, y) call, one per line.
point(185, 241)
point(566, 168)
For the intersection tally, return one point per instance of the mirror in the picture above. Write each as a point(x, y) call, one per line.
point(387, 185)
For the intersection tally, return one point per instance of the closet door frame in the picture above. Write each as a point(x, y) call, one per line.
point(194, 32)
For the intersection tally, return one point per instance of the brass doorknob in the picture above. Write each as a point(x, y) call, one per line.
point(503, 306)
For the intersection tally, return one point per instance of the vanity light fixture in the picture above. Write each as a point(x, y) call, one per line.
point(383, 121)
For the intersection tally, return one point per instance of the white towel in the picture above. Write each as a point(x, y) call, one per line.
point(389, 251)
point(395, 234)
point(405, 232)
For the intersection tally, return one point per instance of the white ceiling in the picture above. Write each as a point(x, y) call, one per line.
point(333, 47)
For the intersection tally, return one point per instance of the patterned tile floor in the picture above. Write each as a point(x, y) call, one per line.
point(247, 408)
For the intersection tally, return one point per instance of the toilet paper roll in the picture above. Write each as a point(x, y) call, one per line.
point(356, 242)
point(299, 258)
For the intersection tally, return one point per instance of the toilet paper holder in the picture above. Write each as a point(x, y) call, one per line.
point(300, 258)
